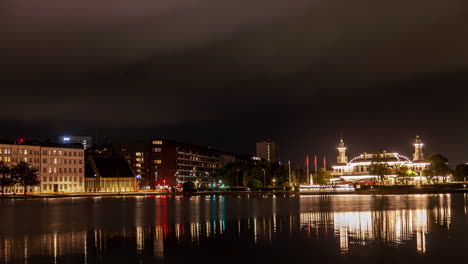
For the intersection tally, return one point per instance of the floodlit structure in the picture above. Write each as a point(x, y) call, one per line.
point(359, 168)
point(60, 167)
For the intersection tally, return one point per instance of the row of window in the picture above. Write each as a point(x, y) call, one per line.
point(62, 179)
point(65, 161)
point(62, 170)
point(61, 187)
point(27, 152)
point(197, 163)
point(197, 158)
point(62, 153)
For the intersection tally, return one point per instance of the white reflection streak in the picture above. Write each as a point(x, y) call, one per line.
point(55, 247)
point(344, 239)
point(25, 249)
point(86, 247)
point(139, 238)
point(255, 229)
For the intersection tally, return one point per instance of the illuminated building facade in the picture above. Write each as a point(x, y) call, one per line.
point(109, 174)
point(174, 163)
point(358, 168)
point(60, 166)
point(268, 151)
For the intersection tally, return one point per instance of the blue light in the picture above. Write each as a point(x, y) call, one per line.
point(66, 139)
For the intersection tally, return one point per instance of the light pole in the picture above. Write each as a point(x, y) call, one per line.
point(274, 180)
point(237, 178)
point(264, 182)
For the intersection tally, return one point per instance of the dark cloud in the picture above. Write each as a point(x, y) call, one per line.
point(215, 71)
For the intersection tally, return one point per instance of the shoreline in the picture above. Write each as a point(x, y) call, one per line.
point(237, 193)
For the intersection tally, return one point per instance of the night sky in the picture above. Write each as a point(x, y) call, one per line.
point(228, 73)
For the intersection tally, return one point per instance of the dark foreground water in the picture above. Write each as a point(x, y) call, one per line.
point(218, 229)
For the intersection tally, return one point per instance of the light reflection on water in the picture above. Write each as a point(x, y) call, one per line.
point(160, 228)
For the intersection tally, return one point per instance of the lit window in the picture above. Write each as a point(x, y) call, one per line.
point(156, 149)
point(157, 142)
point(55, 160)
point(157, 161)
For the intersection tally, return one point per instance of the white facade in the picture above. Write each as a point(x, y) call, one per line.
point(358, 167)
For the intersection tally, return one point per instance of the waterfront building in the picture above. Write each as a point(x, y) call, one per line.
point(358, 168)
point(174, 163)
point(268, 151)
point(60, 167)
point(109, 174)
point(137, 155)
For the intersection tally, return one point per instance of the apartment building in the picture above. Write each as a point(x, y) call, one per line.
point(60, 167)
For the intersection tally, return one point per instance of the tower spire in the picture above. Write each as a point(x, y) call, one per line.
point(418, 145)
point(342, 158)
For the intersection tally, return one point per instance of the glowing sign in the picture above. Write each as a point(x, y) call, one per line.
point(66, 138)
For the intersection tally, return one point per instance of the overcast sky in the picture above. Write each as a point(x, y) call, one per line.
point(228, 73)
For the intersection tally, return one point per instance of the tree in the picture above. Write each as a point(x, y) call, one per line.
point(322, 176)
point(438, 167)
point(5, 177)
point(25, 175)
point(379, 167)
point(461, 171)
point(189, 186)
point(403, 173)
point(254, 184)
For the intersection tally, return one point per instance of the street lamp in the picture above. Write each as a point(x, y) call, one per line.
point(274, 180)
point(264, 182)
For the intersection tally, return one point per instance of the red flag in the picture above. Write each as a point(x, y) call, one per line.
point(306, 160)
point(315, 160)
point(324, 162)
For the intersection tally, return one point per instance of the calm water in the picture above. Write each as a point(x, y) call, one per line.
point(230, 229)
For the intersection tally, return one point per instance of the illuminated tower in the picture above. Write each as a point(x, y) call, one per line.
point(418, 153)
point(342, 158)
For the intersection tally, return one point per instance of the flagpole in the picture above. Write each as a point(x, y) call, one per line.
point(315, 162)
point(309, 179)
point(289, 165)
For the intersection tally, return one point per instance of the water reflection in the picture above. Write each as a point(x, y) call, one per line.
point(162, 227)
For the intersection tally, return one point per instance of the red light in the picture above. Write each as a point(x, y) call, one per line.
point(21, 140)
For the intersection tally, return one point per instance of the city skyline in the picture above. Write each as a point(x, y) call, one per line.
point(300, 72)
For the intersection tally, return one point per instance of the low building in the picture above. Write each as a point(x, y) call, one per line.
point(109, 174)
point(358, 168)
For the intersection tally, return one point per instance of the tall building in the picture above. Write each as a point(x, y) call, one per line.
point(174, 163)
point(268, 151)
point(60, 166)
point(86, 141)
point(137, 155)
